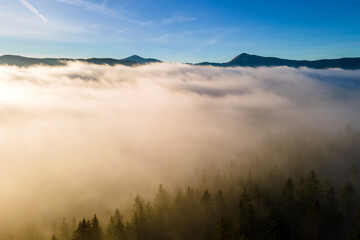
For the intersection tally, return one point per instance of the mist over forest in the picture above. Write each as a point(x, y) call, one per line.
point(83, 139)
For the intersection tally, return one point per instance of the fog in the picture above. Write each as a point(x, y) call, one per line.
point(83, 138)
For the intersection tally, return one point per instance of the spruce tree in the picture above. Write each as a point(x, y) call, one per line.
point(244, 216)
point(348, 202)
point(312, 221)
point(275, 227)
point(332, 220)
point(313, 189)
point(83, 231)
point(139, 221)
point(222, 230)
point(355, 233)
point(95, 229)
point(287, 193)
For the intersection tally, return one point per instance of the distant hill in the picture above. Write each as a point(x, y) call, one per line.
point(247, 60)
point(138, 59)
point(20, 61)
point(243, 60)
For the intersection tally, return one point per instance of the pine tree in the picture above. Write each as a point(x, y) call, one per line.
point(119, 231)
point(332, 219)
point(206, 199)
point(115, 228)
point(348, 202)
point(287, 193)
point(312, 221)
point(110, 229)
point(221, 207)
point(222, 230)
point(275, 227)
point(300, 194)
point(355, 233)
point(83, 231)
point(95, 229)
point(162, 199)
point(313, 188)
point(244, 216)
point(117, 216)
point(139, 221)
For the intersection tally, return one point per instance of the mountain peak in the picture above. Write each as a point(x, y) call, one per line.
point(141, 60)
point(241, 57)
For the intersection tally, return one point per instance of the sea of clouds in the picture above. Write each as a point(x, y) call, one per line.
point(81, 137)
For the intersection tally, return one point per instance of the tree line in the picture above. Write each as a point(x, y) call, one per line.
point(305, 208)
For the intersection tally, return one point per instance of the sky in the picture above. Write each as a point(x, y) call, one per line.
point(180, 31)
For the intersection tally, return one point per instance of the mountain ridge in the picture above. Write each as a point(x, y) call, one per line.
point(248, 60)
point(241, 60)
point(20, 61)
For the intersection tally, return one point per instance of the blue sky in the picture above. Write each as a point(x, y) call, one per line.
point(180, 30)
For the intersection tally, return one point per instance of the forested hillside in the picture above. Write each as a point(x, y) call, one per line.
point(271, 198)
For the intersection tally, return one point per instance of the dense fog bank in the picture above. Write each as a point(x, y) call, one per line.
point(82, 138)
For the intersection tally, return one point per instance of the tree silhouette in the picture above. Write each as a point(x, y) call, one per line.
point(355, 233)
point(275, 227)
point(243, 219)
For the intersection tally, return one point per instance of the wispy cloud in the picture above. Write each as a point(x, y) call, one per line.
point(178, 19)
point(161, 39)
point(99, 8)
point(221, 35)
point(215, 35)
point(102, 9)
point(33, 10)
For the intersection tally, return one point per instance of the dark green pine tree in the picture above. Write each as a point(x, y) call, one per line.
point(95, 229)
point(222, 231)
point(83, 231)
point(244, 218)
point(275, 227)
point(115, 229)
point(300, 195)
point(220, 206)
point(162, 199)
point(287, 193)
point(348, 202)
point(332, 220)
point(313, 189)
point(206, 217)
point(117, 216)
point(119, 231)
point(139, 221)
point(110, 229)
point(355, 232)
point(206, 199)
point(312, 221)
point(161, 212)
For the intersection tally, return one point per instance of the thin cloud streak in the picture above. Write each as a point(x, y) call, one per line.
point(178, 19)
point(90, 6)
point(102, 9)
point(33, 10)
point(220, 36)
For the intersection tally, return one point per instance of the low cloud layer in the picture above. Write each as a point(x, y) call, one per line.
point(84, 136)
